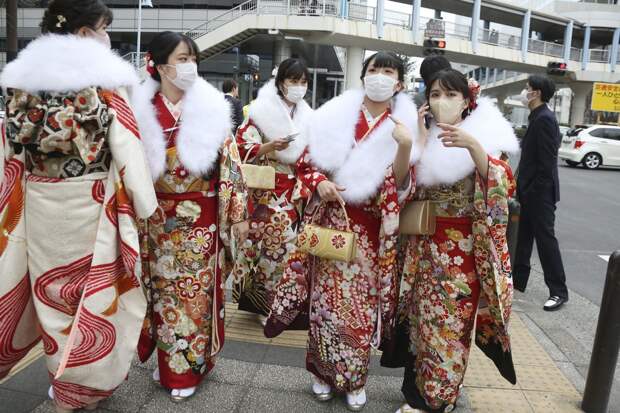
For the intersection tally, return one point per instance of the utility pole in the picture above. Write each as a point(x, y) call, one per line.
point(11, 30)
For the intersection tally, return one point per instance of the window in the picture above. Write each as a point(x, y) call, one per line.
point(612, 133)
point(598, 133)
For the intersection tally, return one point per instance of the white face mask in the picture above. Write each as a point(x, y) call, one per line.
point(448, 110)
point(379, 87)
point(524, 98)
point(187, 73)
point(295, 94)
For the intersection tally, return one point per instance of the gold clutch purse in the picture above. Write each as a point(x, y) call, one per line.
point(258, 176)
point(417, 218)
point(328, 243)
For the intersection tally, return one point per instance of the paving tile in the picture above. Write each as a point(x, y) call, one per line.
point(17, 402)
point(133, 394)
point(33, 380)
point(544, 379)
point(544, 402)
point(210, 397)
point(274, 401)
point(498, 400)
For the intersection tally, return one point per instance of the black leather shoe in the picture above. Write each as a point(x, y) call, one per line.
point(554, 303)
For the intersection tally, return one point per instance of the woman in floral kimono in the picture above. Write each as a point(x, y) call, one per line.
point(356, 159)
point(75, 181)
point(463, 269)
point(275, 131)
point(186, 126)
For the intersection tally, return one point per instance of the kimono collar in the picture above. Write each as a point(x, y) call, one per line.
point(60, 63)
point(441, 165)
point(359, 168)
point(204, 126)
point(272, 117)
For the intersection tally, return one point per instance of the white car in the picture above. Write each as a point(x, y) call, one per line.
point(591, 146)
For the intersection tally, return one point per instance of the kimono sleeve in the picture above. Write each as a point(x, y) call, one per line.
point(233, 193)
point(249, 141)
point(308, 174)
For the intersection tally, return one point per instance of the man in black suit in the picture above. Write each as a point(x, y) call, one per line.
point(538, 189)
point(231, 92)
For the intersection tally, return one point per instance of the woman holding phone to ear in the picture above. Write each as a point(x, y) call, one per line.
point(358, 156)
point(459, 276)
point(274, 134)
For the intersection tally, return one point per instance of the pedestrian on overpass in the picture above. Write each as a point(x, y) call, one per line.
point(357, 164)
point(538, 189)
point(455, 273)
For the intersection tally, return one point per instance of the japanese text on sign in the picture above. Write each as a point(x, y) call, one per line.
point(435, 29)
point(606, 97)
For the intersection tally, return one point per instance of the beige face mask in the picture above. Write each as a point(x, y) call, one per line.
point(448, 110)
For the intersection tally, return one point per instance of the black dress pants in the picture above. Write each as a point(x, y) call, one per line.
point(538, 223)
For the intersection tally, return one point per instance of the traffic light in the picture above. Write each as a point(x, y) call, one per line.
point(434, 46)
point(556, 68)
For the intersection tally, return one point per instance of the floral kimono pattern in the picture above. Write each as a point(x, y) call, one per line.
point(185, 255)
point(347, 303)
point(276, 213)
point(449, 278)
point(68, 238)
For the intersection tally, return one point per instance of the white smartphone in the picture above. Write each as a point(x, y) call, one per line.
point(291, 137)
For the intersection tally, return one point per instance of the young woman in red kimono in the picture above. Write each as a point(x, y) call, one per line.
point(463, 269)
point(279, 112)
point(186, 126)
point(357, 158)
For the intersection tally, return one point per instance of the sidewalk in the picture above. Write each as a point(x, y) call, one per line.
point(255, 374)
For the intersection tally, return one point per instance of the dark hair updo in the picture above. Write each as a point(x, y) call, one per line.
point(385, 59)
point(69, 16)
point(291, 68)
point(162, 46)
point(450, 79)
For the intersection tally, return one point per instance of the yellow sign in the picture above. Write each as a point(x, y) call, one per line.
point(606, 97)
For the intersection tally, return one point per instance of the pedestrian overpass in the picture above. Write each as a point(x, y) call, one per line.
point(355, 27)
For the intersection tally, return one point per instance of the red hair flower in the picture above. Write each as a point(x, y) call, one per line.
point(150, 64)
point(474, 92)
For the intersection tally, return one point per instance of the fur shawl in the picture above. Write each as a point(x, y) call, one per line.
point(360, 168)
point(60, 63)
point(204, 126)
point(271, 116)
point(441, 165)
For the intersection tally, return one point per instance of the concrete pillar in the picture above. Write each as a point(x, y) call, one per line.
point(475, 23)
point(495, 70)
point(355, 62)
point(380, 13)
point(568, 38)
point(415, 20)
point(579, 102)
point(585, 52)
point(525, 34)
point(281, 51)
point(614, 49)
point(500, 103)
point(437, 14)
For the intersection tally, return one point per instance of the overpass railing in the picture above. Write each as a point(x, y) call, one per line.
point(363, 12)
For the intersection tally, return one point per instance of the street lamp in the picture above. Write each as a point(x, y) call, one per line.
point(145, 3)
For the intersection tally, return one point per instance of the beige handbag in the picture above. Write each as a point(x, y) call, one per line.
point(417, 218)
point(328, 243)
point(258, 176)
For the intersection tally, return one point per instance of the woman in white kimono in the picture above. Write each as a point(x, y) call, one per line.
point(75, 182)
point(194, 161)
point(276, 133)
point(357, 158)
point(459, 276)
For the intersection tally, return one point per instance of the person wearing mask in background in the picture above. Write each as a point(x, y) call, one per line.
point(538, 189)
point(185, 123)
point(275, 133)
point(429, 66)
point(357, 166)
point(231, 92)
point(458, 276)
point(76, 181)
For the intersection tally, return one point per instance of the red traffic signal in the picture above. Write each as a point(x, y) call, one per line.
point(433, 46)
point(556, 68)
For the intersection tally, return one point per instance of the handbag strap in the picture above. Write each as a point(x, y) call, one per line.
point(265, 158)
point(346, 215)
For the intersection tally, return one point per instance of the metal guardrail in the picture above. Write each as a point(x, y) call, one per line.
point(363, 12)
